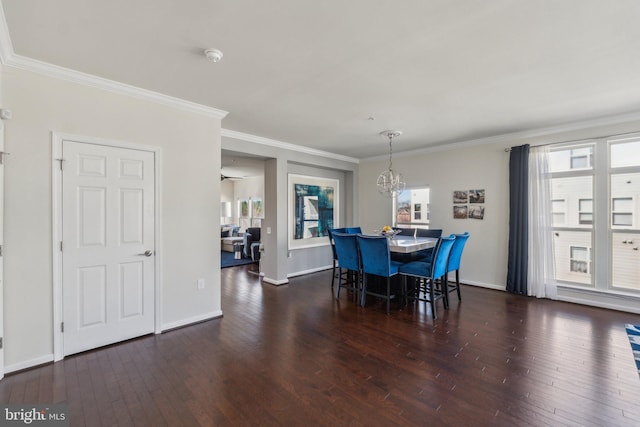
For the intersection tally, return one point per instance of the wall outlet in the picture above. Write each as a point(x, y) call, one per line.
point(200, 283)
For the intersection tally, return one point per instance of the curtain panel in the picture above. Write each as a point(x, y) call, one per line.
point(541, 276)
point(518, 220)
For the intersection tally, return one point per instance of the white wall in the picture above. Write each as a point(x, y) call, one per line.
point(190, 145)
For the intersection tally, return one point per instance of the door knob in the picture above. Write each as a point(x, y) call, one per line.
point(148, 252)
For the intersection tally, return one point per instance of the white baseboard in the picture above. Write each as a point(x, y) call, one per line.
point(590, 297)
point(191, 320)
point(313, 270)
point(274, 281)
point(482, 285)
point(595, 298)
point(29, 363)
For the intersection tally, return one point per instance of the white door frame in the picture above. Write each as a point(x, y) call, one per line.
point(56, 207)
point(2, 159)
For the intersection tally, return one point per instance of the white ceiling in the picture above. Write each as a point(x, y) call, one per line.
point(241, 165)
point(313, 72)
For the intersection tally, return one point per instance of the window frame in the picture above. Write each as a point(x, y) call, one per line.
point(554, 202)
point(582, 212)
point(615, 212)
point(573, 259)
point(588, 157)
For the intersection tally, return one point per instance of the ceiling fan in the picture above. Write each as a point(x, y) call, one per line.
point(230, 178)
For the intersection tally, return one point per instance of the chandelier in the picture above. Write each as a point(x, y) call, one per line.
point(390, 183)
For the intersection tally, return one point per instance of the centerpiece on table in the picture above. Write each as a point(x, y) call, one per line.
point(389, 232)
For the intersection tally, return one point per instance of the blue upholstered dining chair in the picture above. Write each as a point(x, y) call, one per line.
point(333, 251)
point(454, 264)
point(349, 259)
point(349, 230)
point(427, 254)
point(376, 260)
point(430, 274)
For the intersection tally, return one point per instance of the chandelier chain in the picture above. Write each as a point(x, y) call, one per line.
point(390, 152)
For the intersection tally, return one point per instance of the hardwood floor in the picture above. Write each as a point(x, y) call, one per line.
point(293, 355)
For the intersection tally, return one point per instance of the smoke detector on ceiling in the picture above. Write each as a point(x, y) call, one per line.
point(213, 55)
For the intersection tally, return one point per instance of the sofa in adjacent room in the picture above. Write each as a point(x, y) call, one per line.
point(229, 235)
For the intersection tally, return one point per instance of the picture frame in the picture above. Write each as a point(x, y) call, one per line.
point(257, 208)
point(476, 212)
point(244, 209)
point(460, 196)
point(313, 210)
point(476, 196)
point(460, 212)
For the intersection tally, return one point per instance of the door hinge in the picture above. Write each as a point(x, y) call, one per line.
point(61, 162)
point(1, 250)
point(61, 326)
point(1, 343)
point(60, 245)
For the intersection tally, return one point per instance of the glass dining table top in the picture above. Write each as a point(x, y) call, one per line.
point(407, 244)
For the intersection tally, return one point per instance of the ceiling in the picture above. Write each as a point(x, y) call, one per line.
point(331, 75)
point(236, 165)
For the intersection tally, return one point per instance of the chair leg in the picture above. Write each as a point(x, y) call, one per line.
point(432, 299)
point(363, 297)
point(333, 273)
point(388, 295)
point(458, 284)
point(445, 290)
point(339, 282)
point(403, 297)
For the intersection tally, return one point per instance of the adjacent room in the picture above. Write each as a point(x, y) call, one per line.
point(241, 208)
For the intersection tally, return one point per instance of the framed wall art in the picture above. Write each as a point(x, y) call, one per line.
point(313, 210)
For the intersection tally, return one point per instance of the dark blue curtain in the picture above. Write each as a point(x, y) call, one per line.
point(518, 220)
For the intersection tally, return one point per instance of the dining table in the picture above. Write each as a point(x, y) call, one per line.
point(403, 244)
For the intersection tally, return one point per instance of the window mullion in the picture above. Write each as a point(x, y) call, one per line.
point(601, 252)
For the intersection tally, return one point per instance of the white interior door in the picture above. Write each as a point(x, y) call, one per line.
point(107, 246)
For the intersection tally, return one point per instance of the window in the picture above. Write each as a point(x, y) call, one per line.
point(579, 260)
point(412, 208)
point(612, 251)
point(417, 211)
point(622, 211)
point(585, 211)
point(625, 154)
point(572, 208)
point(558, 208)
point(582, 158)
point(624, 186)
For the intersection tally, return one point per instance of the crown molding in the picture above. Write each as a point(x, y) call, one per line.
point(515, 136)
point(10, 59)
point(61, 73)
point(285, 145)
point(6, 47)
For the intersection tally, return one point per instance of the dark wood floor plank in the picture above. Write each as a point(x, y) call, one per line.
point(294, 355)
